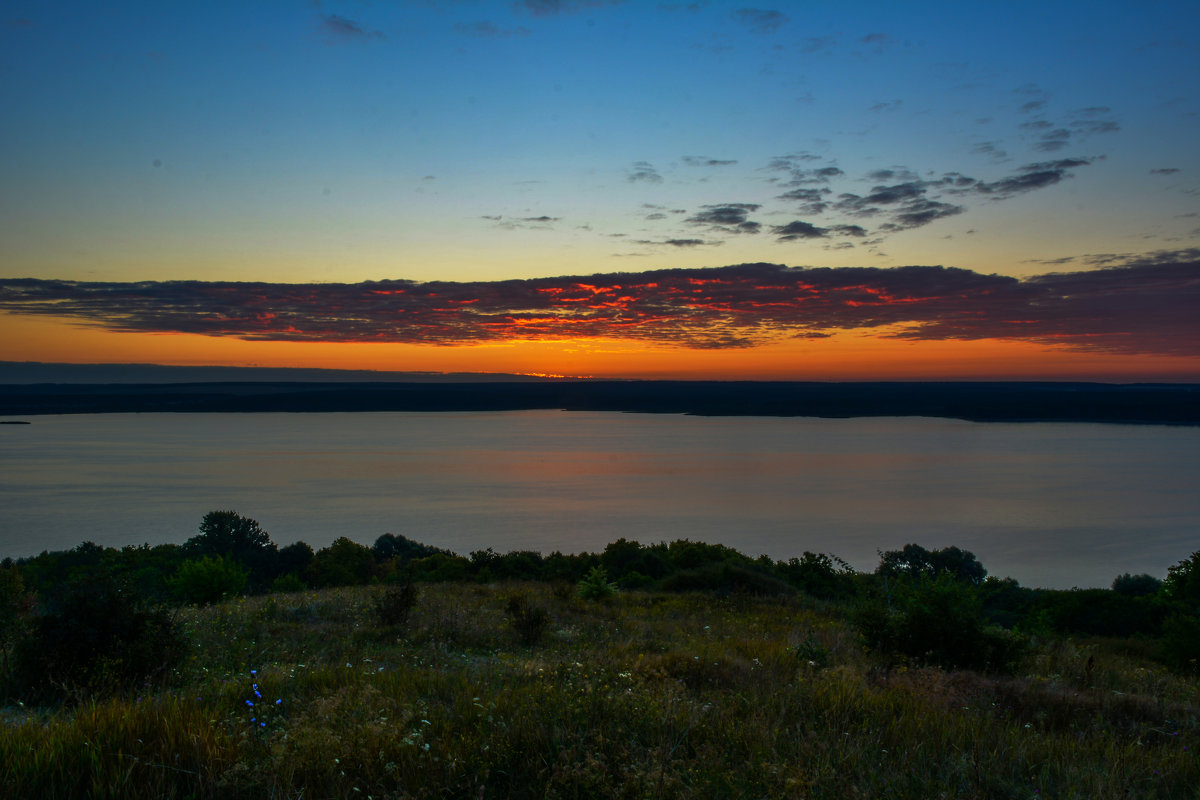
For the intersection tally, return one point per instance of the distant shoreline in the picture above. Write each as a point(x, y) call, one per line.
point(1153, 404)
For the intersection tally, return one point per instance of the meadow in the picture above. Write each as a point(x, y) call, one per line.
point(526, 689)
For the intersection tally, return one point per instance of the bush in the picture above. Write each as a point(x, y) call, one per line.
point(395, 605)
point(527, 620)
point(227, 533)
point(595, 585)
point(94, 638)
point(1136, 585)
point(726, 579)
point(288, 583)
point(938, 622)
point(1181, 642)
point(208, 580)
point(915, 561)
point(343, 563)
point(819, 575)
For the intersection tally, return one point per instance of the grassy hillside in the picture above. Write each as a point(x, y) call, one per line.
point(645, 694)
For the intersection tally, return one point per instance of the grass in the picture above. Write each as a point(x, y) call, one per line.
point(640, 695)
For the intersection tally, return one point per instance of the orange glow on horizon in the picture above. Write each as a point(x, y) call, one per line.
point(847, 356)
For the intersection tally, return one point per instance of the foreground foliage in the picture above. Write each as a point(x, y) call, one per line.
point(646, 694)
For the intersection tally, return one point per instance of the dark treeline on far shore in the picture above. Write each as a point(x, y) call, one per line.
point(912, 592)
point(1176, 404)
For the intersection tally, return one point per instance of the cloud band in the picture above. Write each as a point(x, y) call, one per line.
point(1143, 306)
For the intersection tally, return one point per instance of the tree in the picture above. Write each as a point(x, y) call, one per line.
point(229, 534)
point(1182, 586)
point(343, 563)
point(1136, 585)
point(914, 561)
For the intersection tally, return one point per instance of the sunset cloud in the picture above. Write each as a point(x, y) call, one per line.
point(1142, 306)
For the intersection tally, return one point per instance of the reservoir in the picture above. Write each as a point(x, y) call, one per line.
point(1050, 504)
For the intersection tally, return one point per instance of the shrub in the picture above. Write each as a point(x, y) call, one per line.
point(595, 585)
point(208, 580)
point(1181, 642)
point(527, 620)
point(915, 561)
point(938, 622)
point(1136, 585)
point(227, 533)
point(343, 563)
point(726, 579)
point(819, 575)
point(395, 605)
point(288, 583)
point(94, 638)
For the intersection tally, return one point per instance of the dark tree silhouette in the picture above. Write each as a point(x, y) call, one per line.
point(914, 560)
point(229, 534)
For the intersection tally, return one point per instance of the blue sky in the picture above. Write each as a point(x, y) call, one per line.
point(297, 142)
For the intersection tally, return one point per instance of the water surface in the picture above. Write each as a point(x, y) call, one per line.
point(1048, 504)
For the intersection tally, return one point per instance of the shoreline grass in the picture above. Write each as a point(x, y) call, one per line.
point(646, 694)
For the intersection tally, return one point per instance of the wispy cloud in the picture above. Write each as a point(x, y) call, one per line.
point(1143, 305)
point(489, 30)
point(761, 20)
point(338, 28)
point(643, 171)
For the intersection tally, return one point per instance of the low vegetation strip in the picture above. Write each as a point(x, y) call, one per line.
point(426, 674)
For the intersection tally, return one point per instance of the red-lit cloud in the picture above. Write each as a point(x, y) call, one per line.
point(1146, 306)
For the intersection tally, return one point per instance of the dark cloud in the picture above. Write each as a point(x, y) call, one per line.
point(991, 149)
point(1142, 305)
point(1053, 140)
point(1165, 171)
point(342, 29)
point(1031, 177)
point(728, 217)
point(1093, 126)
point(489, 30)
point(761, 20)
point(816, 44)
point(878, 42)
point(552, 8)
point(906, 205)
point(1031, 106)
point(645, 172)
point(680, 242)
point(798, 230)
point(813, 201)
point(702, 161)
point(513, 223)
point(897, 173)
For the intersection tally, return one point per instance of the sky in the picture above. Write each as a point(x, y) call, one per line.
point(810, 191)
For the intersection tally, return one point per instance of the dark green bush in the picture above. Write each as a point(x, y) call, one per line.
point(227, 533)
point(288, 583)
point(343, 563)
point(1136, 585)
point(94, 638)
point(209, 579)
point(529, 621)
point(819, 575)
point(595, 585)
point(938, 622)
point(726, 578)
point(1181, 642)
point(395, 605)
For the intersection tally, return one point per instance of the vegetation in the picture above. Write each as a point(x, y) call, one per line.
point(702, 673)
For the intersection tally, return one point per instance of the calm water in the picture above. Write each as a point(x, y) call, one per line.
point(1049, 504)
